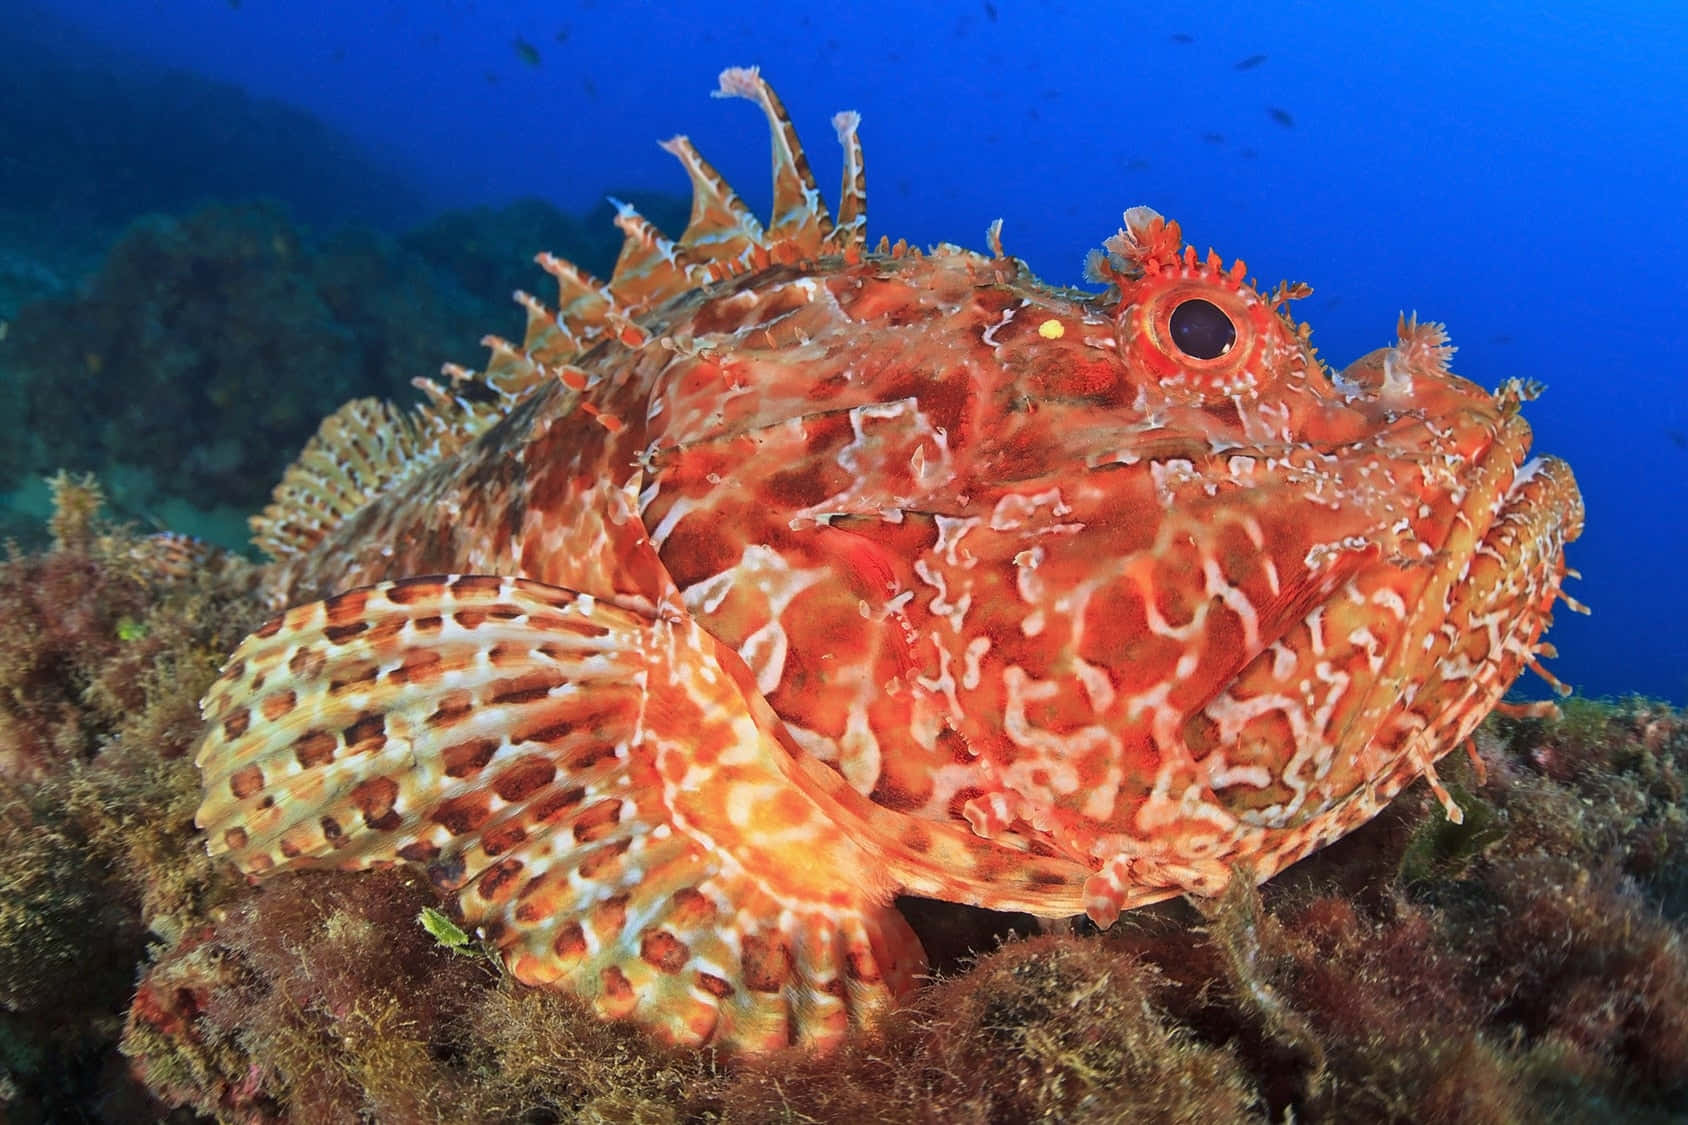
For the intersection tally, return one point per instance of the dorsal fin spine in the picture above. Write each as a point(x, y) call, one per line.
point(353, 458)
point(799, 220)
point(851, 232)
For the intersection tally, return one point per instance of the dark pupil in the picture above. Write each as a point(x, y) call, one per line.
point(1201, 330)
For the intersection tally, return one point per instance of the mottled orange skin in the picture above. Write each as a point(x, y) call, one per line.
point(938, 538)
point(1020, 604)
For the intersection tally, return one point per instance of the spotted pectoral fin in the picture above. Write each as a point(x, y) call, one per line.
point(587, 780)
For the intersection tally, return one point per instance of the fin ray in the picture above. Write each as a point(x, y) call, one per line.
point(358, 452)
point(367, 447)
point(800, 219)
point(851, 232)
point(590, 781)
point(651, 269)
point(721, 229)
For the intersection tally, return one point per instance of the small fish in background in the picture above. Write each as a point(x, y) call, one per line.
point(1248, 153)
point(1250, 63)
point(591, 88)
point(526, 51)
point(990, 11)
point(562, 35)
point(1182, 39)
point(1503, 338)
point(1677, 438)
point(1214, 138)
point(1281, 116)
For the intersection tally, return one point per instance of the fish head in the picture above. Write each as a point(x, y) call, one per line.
point(1246, 598)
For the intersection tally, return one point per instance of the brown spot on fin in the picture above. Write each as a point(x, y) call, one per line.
point(608, 804)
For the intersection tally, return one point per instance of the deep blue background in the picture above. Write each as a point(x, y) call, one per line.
point(1519, 173)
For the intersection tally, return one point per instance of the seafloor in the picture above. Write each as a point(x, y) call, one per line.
point(1526, 966)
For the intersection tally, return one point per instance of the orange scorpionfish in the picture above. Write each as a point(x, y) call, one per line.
point(782, 575)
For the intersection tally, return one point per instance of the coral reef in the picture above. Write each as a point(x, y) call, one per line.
point(1526, 965)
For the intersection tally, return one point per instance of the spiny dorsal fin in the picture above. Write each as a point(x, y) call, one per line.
point(582, 303)
point(650, 269)
point(511, 373)
point(722, 237)
point(592, 785)
point(851, 233)
point(721, 228)
point(366, 447)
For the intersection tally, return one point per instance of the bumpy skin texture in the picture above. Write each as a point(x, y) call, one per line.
point(832, 574)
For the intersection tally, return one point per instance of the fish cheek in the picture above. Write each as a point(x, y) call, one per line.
point(1116, 638)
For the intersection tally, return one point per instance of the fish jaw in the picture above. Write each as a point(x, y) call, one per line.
point(1437, 617)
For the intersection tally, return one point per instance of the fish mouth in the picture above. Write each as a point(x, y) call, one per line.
point(1497, 562)
point(1478, 625)
point(1517, 571)
point(1409, 654)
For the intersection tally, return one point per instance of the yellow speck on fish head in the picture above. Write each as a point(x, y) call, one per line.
point(1052, 329)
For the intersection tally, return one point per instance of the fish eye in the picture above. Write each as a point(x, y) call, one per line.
point(1201, 329)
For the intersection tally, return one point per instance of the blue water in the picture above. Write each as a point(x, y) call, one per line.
point(1518, 173)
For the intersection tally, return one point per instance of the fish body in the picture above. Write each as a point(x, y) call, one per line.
point(782, 575)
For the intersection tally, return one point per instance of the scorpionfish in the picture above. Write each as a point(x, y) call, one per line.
point(783, 574)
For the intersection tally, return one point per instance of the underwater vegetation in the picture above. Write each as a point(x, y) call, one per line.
point(101, 646)
point(1526, 965)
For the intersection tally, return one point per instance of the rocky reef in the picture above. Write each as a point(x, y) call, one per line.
point(202, 353)
point(231, 314)
point(1527, 965)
